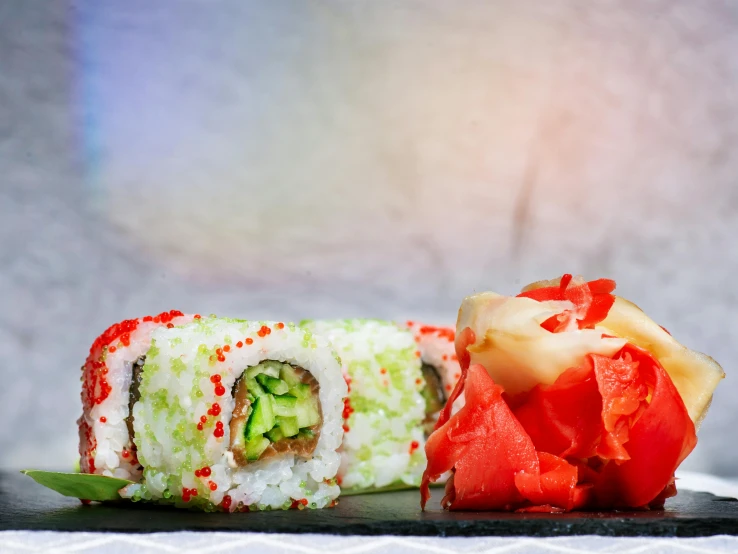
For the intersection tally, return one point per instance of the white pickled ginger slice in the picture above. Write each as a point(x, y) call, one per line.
point(513, 347)
point(694, 374)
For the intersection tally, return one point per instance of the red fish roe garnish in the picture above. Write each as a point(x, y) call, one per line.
point(280, 325)
point(185, 495)
point(203, 419)
point(346, 428)
point(205, 472)
point(198, 473)
point(218, 433)
point(200, 426)
point(417, 353)
point(112, 348)
point(214, 409)
point(418, 381)
point(239, 344)
point(383, 371)
point(197, 316)
point(220, 390)
point(449, 388)
point(215, 378)
point(347, 409)
point(193, 492)
point(443, 332)
point(227, 348)
point(170, 325)
point(226, 503)
point(125, 453)
point(414, 446)
point(221, 358)
point(96, 388)
point(304, 501)
point(212, 485)
point(103, 419)
point(148, 318)
point(249, 341)
point(295, 504)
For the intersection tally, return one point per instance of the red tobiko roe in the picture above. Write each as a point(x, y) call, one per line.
point(547, 450)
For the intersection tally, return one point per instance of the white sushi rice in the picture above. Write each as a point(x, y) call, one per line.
point(103, 430)
point(384, 442)
point(176, 391)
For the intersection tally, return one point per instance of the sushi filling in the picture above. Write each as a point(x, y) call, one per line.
point(277, 412)
point(133, 395)
point(433, 394)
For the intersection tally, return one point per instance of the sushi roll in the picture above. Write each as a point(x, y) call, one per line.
point(236, 415)
point(384, 413)
point(110, 379)
point(574, 398)
point(440, 367)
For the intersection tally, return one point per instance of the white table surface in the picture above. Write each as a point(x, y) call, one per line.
point(204, 542)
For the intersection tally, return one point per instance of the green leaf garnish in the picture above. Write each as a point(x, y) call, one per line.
point(388, 488)
point(85, 486)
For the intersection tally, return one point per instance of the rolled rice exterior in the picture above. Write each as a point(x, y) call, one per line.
point(105, 446)
point(384, 441)
point(437, 349)
point(186, 398)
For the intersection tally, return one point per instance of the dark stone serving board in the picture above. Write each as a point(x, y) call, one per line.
point(25, 505)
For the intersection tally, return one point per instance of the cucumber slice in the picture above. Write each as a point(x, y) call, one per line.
point(284, 405)
point(289, 375)
point(306, 411)
point(288, 426)
point(305, 434)
point(301, 390)
point(275, 386)
point(255, 447)
point(261, 419)
point(254, 388)
point(268, 367)
point(275, 434)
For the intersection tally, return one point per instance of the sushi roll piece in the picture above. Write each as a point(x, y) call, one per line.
point(384, 412)
point(440, 367)
point(110, 379)
point(236, 416)
point(574, 398)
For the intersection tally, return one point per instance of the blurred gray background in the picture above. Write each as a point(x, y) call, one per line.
point(356, 158)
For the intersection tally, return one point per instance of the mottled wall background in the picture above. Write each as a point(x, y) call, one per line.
point(346, 158)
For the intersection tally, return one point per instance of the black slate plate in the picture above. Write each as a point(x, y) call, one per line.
point(24, 505)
